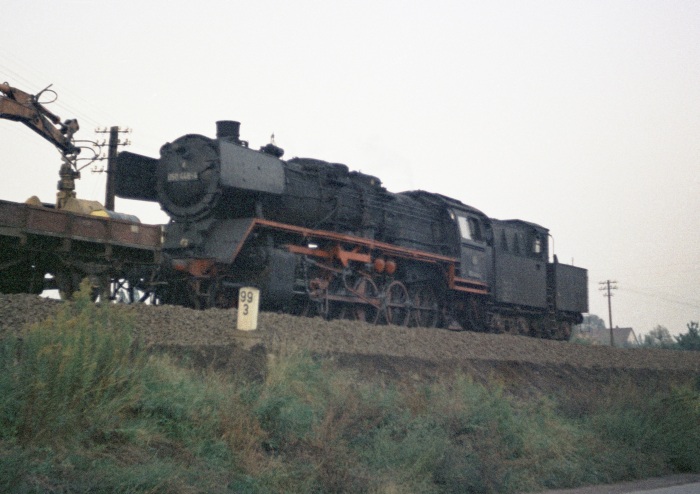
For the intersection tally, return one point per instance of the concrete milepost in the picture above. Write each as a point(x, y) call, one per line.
point(248, 304)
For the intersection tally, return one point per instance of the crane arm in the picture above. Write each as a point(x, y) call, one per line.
point(23, 107)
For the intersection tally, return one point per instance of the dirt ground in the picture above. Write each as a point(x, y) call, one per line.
point(524, 365)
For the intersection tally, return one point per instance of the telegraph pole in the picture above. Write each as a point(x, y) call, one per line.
point(607, 286)
point(114, 142)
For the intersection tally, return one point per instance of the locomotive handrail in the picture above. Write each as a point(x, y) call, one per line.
point(386, 248)
point(454, 282)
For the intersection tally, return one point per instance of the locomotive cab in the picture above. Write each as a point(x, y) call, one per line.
point(474, 232)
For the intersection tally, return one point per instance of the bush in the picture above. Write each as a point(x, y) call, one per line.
point(497, 443)
point(651, 434)
point(292, 401)
point(70, 377)
point(691, 339)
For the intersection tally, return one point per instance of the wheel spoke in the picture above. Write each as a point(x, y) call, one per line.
point(397, 308)
point(425, 307)
point(364, 310)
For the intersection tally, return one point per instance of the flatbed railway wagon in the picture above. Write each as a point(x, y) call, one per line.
point(46, 248)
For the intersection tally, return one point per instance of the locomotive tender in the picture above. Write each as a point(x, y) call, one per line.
point(317, 238)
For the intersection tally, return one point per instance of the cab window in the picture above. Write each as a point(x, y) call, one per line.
point(537, 245)
point(469, 228)
point(464, 228)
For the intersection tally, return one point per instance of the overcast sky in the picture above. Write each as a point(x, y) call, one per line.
point(581, 116)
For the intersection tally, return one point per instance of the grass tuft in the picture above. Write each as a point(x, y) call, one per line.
point(71, 377)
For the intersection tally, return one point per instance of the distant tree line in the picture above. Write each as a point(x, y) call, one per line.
point(661, 338)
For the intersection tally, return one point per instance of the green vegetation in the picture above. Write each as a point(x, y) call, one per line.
point(691, 339)
point(660, 337)
point(83, 408)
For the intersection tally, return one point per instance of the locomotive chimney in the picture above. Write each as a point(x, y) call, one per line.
point(228, 130)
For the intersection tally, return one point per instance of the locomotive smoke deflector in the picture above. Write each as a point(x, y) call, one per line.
point(248, 170)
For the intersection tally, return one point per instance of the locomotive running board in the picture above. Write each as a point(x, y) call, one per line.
point(448, 264)
point(372, 245)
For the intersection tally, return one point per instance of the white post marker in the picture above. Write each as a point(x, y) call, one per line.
point(248, 303)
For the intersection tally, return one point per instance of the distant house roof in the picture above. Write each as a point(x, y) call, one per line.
point(622, 337)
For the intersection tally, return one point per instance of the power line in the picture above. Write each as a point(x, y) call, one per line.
point(27, 78)
point(68, 98)
point(647, 267)
point(693, 304)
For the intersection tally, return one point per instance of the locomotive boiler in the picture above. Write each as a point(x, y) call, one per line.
point(318, 238)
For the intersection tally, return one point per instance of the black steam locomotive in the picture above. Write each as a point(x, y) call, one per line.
point(318, 238)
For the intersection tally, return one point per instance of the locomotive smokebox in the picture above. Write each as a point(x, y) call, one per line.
point(229, 130)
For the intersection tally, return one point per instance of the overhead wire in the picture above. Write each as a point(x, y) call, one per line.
point(662, 297)
point(68, 98)
point(19, 75)
point(665, 266)
point(65, 102)
point(659, 276)
point(70, 103)
point(66, 95)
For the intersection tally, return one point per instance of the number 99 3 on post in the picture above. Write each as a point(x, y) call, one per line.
point(248, 303)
